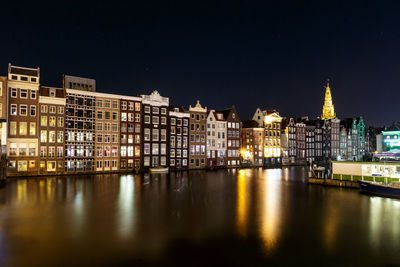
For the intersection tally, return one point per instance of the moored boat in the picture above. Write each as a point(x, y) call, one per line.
point(380, 189)
point(159, 170)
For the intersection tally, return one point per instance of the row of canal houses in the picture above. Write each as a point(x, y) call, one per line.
point(75, 129)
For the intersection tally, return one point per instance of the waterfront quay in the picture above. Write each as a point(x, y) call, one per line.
point(222, 217)
point(347, 174)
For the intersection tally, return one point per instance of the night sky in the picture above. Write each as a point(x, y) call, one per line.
point(274, 55)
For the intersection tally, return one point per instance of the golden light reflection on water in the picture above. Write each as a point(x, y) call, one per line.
point(126, 205)
point(384, 220)
point(330, 224)
point(22, 187)
point(241, 203)
point(270, 197)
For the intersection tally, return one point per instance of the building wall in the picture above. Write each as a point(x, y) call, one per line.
point(179, 140)
point(197, 133)
point(272, 145)
point(216, 139)
point(310, 144)
point(259, 117)
point(300, 143)
point(131, 133)
point(51, 130)
point(22, 143)
point(253, 143)
point(80, 131)
point(155, 126)
point(107, 132)
point(3, 115)
point(233, 138)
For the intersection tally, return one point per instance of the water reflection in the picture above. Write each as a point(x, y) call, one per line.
point(126, 205)
point(235, 213)
point(271, 209)
point(242, 202)
point(384, 221)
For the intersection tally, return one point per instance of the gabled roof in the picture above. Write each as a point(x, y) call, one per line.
point(250, 124)
point(180, 108)
point(227, 111)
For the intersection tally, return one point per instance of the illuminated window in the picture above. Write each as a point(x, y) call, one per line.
point(13, 149)
point(137, 106)
point(23, 128)
point(60, 136)
point(43, 121)
point(13, 109)
point(13, 128)
point(32, 150)
point(52, 121)
point(22, 165)
point(123, 151)
point(52, 136)
point(60, 121)
point(130, 151)
point(123, 116)
point(23, 110)
point(22, 149)
point(43, 136)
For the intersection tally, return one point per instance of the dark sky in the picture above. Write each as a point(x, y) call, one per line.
point(271, 54)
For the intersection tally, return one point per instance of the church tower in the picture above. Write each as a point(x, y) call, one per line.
point(328, 111)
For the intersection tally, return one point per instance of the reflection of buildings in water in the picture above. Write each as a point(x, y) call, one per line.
point(241, 205)
point(384, 218)
point(270, 196)
point(22, 192)
point(126, 205)
point(330, 221)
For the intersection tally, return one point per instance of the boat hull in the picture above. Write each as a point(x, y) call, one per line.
point(379, 190)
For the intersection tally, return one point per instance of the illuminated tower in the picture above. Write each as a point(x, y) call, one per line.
point(328, 111)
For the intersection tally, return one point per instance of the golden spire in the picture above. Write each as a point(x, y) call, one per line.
point(328, 111)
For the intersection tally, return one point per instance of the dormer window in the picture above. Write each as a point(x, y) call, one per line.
point(176, 109)
point(23, 78)
point(52, 92)
point(14, 77)
point(33, 80)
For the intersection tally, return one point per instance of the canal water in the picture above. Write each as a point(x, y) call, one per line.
point(230, 217)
